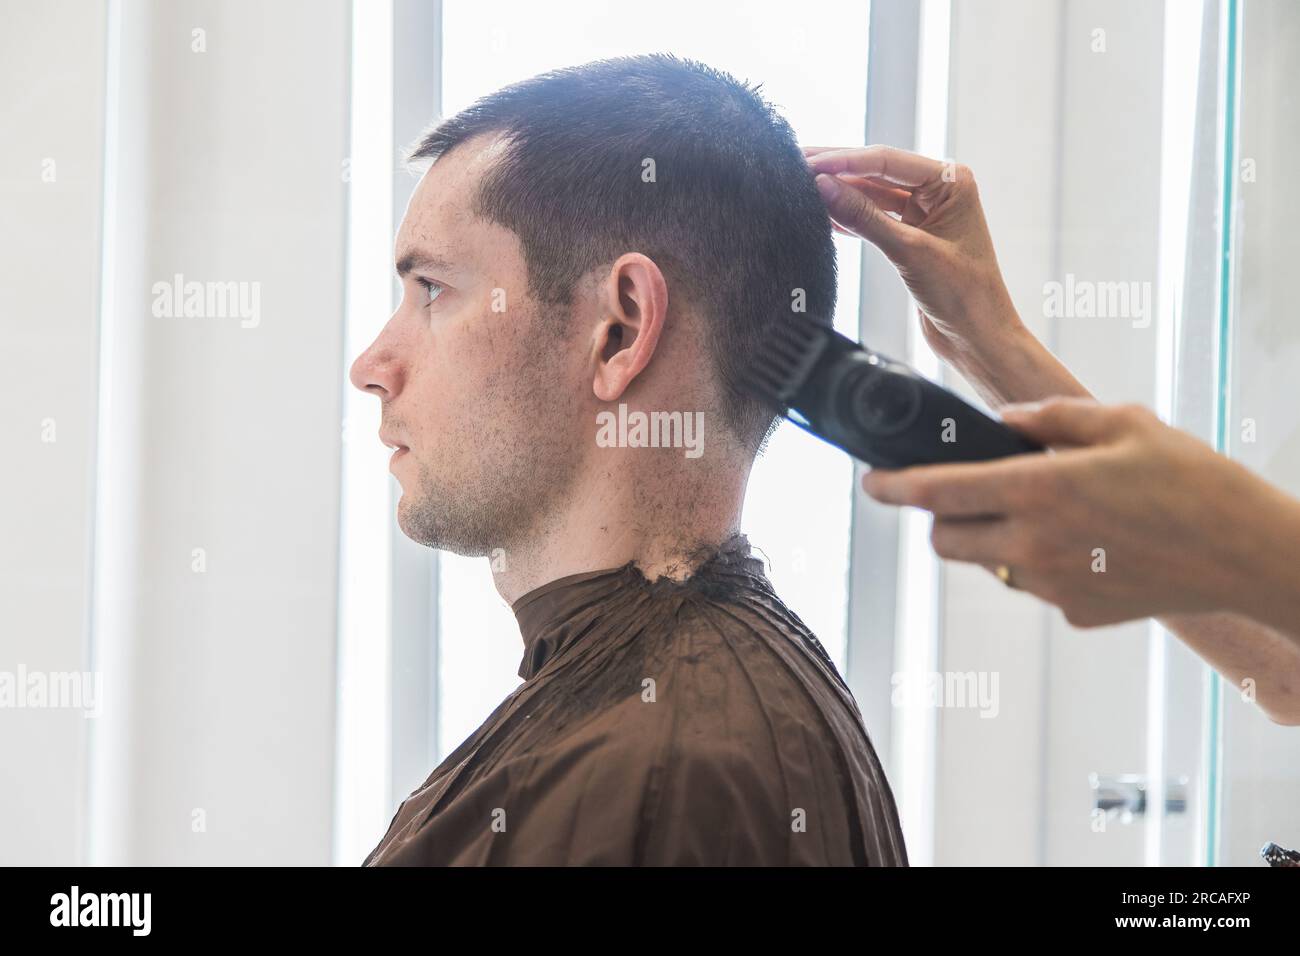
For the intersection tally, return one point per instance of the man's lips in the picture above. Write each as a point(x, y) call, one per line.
point(390, 442)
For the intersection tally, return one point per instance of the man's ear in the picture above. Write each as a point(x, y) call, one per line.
point(634, 307)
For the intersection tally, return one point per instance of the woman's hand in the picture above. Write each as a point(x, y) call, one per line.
point(941, 246)
point(1130, 519)
point(1183, 532)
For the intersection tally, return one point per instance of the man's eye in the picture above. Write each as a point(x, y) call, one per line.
point(432, 290)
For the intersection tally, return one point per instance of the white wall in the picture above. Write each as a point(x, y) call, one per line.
point(988, 791)
point(223, 165)
point(229, 168)
point(1065, 145)
point(51, 110)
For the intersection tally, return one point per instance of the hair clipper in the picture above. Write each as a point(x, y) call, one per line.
point(875, 408)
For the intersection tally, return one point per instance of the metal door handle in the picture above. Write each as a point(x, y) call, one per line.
point(1125, 794)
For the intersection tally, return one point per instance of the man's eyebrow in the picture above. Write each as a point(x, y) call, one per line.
point(420, 260)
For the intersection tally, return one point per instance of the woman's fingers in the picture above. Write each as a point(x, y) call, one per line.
point(882, 179)
point(1066, 422)
point(897, 166)
point(975, 489)
point(888, 198)
point(852, 208)
point(983, 541)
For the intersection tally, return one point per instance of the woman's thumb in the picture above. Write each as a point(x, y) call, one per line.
point(1061, 421)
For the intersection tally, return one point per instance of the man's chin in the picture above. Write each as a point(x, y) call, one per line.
point(414, 525)
point(418, 524)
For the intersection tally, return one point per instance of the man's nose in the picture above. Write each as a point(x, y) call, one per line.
point(377, 371)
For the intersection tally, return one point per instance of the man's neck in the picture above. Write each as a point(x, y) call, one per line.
point(627, 512)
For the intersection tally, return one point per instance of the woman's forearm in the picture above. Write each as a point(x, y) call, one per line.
point(1262, 576)
point(1260, 663)
point(1014, 367)
point(1257, 636)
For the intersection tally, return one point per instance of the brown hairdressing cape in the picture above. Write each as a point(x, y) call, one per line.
point(695, 722)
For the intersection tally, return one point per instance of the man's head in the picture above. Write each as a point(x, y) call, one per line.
point(622, 231)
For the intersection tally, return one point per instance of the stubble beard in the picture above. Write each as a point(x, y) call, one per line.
point(504, 476)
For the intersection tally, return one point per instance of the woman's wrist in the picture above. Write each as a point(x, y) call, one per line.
point(1008, 364)
point(1262, 576)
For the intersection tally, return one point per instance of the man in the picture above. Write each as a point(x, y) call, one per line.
point(589, 246)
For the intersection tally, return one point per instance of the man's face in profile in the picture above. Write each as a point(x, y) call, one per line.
point(483, 403)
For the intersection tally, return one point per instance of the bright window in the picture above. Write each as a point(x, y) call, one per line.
point(797, 510)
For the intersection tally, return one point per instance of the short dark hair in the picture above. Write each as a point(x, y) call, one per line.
point(732, 214)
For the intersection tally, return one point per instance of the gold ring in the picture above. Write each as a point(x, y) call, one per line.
point(1004, 575)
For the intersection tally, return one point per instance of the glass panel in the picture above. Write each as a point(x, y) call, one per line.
point(1188, 327)
point(1258, 762)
